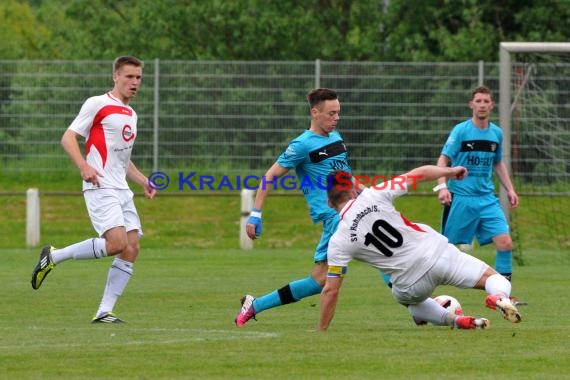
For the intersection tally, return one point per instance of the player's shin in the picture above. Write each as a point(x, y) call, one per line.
point(498, 284)
point(304, 288)
point(504, 263)
point(119, 275)
point(430, 311)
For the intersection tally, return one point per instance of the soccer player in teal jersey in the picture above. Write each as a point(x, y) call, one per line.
point(313, 155)
point(471, 208)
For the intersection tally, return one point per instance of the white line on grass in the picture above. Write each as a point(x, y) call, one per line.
point(125, 337)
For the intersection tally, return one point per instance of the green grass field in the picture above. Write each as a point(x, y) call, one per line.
point(180, 306)
point(184, 296)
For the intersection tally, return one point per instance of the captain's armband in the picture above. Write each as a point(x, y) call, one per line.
point(336, 271)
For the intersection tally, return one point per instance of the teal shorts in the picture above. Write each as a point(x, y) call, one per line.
point(474, 216)
point(329, 227)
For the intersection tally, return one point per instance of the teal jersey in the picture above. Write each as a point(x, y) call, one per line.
point(478, 150)
point(314, 157)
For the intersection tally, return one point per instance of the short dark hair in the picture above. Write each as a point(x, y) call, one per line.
point(340, 184)
point(481, 90)
point(319, 95)
point(119, 62)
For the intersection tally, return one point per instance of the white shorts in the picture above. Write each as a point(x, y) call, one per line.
point(453, 267)
point(109, 208)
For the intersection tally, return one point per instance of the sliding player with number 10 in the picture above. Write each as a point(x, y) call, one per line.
point(417, 257)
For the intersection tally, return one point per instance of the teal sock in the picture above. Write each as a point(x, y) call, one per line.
point(266, 302)
point(304, 288)
point(504, 262)
point(292, 292)
point(386, 278)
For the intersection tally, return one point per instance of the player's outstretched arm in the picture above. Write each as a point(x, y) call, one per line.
point(329, 298)
point(432, 172)
point(443, 195)
point(254, 227)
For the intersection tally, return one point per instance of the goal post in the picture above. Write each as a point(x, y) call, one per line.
point(505, 105)
point(509, 103)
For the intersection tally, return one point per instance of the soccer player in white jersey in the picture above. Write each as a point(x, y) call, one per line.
point(417, 257)
point(109, 126)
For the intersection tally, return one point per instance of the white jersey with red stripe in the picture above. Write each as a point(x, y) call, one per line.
point(373, 231)
point(109, 127)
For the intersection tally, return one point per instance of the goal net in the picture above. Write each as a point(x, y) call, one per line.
point(535, 115)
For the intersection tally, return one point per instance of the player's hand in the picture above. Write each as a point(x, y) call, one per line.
point(149, 191)
point(513, 199)
point(444, 197)
point(459, 172)
point(89, 174)
point(254, 227)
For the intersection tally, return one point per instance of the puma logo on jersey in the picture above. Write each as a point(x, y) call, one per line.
point(326, 152)
point(479, 146)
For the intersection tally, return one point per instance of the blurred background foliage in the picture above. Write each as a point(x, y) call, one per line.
point(334, 30)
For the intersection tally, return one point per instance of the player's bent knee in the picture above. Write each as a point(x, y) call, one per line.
point(319, 273)
point(503, 242)
point(116, 246)
point(484, 277)
point(506, 246)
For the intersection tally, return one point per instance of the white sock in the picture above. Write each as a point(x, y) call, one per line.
point(117, 279)
point(430, 311)
point(87, 249)
point(498, 284)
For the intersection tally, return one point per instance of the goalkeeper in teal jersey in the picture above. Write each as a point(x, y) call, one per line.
point(471, 208)
point(314, 154)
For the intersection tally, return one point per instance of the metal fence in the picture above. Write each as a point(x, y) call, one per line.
point(235, 117)
point(226, 117)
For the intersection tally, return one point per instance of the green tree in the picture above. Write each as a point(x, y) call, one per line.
point(221, 30)
point(21, 34)
point(469, 30)
point(334, 30)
